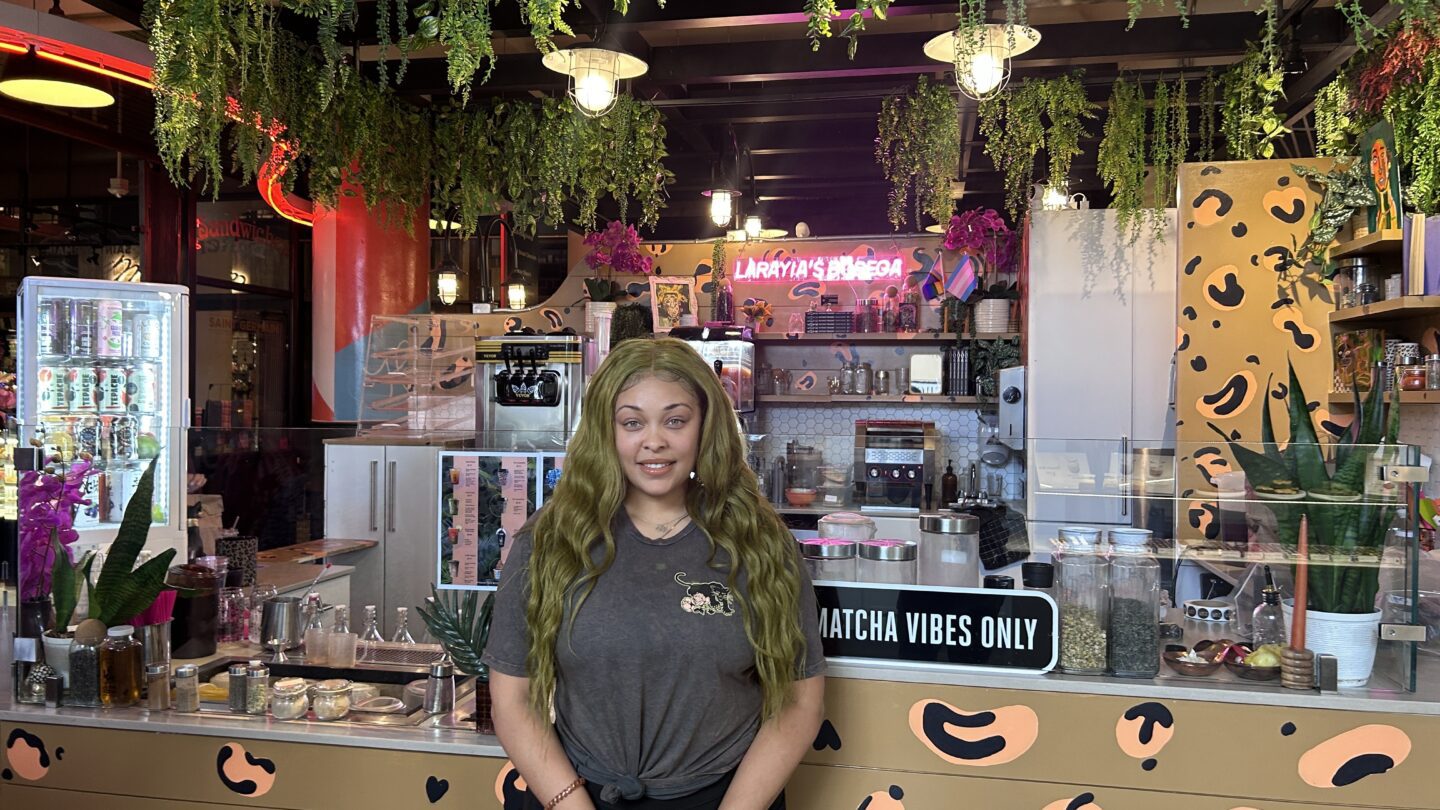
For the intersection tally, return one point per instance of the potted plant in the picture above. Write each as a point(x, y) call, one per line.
point(49, 589)
point(463, 630)
point(1349, 518)
point(613, 251)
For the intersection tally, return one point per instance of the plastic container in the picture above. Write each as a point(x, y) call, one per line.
point(1134, 632)
point(949, 550)
point(1083, 594)
point(1038, 576)
point(288, 699)
point(831, 559)
point(891, 562)
point(846, 526)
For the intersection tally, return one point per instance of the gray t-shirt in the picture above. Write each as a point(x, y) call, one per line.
point(656, 680)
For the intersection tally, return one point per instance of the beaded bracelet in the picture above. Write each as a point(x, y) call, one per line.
point(570, 788)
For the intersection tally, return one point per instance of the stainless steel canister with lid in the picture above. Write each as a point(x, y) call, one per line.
point(887, 561)
point(950, 550)
point(830, 559)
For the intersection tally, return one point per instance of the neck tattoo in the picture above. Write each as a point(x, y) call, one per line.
point(664, 529)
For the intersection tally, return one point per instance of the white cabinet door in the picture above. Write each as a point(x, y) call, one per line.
point(354, 491)
point(411, 497)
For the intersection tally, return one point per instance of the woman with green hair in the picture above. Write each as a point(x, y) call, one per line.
point(655, 610)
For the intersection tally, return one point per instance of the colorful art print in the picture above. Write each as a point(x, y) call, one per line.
point(671, 299)
point(1355, 356)
point(1383, 176)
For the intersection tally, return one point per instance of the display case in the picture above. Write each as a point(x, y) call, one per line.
point(419, 375)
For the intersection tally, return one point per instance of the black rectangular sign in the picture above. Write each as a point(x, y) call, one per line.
point(963, 627)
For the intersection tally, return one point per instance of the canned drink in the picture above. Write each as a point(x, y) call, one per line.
point(50, 318)
point(145, 329)
point(109, 328)
point(53, 389)
point(144, 389)
point(86, 430)
point(113, 394)
point(124, 431)
point(82, 327)
point(121, 485)
point(92, 489)
point(84, 384)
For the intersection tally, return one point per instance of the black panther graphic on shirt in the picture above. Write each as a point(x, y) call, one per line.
point(706, 598)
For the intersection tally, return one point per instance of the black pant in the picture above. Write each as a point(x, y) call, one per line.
point(707, 798)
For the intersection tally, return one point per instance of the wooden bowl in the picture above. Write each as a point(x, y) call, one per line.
point(1192, 670)
point(1249, 673)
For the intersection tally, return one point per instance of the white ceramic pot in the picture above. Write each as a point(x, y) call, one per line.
point(993, 315)
point(57, 655)
point(1350, 637)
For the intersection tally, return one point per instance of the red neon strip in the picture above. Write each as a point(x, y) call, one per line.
point(103, 71)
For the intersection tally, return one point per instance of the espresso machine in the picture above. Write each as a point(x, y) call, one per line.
point(893, 459)
point(528, 390)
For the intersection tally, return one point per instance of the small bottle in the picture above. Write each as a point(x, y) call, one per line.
point(949, 485)
point(122, 668)
point(1268, 623)
point(257, 688)
point(317, 638)
point(187, 688)
point(157, 687)
point(370, 635)
point(237, 688)
point(402, 627)
point(342, 641)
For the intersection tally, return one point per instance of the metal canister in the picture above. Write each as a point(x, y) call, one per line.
point(112, 382)
point(144, 388)
point(82, 327)
point(864, 379)
point(237, 688)
point(882, 382)
point(83, 382)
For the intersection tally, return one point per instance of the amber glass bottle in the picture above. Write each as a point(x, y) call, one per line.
point(122, 661)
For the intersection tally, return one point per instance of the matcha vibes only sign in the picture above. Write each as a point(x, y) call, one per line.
point(968, 628)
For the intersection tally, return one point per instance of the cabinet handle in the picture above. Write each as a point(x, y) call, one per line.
point(390, 498)
point(374, 482)
point(1124, 476)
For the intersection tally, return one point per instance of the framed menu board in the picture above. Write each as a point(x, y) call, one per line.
point(485, 497)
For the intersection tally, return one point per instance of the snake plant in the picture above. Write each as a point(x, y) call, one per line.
point(463, 630)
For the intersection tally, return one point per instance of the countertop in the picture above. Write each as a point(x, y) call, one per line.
point(314, 550)
point(287, 575)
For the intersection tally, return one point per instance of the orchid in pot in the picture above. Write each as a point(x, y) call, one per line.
point(48, 500)
point(615, 250)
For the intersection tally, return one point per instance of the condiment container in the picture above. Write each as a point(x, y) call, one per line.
point(830, 559)
point(122, 668)
point(237, 688)
point(887, 561)
point(332, 699)
point(1134, 630)
point(1412, 377)
point(187, 688)
point(999, 582)
point(1432, 372)
point(288, 700)
point(1038, 576)
point(949, 550)
point(257, 688)
point(1084, 599)
point(157, 687)
point(84, 671)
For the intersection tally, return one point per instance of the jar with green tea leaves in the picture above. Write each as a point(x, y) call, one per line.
point(1083, 595)
point(1134, 635)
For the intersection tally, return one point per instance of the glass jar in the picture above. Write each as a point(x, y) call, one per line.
point(908, 317)
point(829, 559)
point(864, 379)
point(864, 315)
point(288, 699)
point(1432, 372)
point(157, 687)
point(891, 562)
point(846, 526)
point(236, 685)
point(1267, 625)
point(187, 688)
point(1412, 377)
point(1084, 599)
point(949, 550)
point(1134, 637)
point(847, 377)
point(84, 673)
point(122, 668)
point(257, 688)
point(332, 699)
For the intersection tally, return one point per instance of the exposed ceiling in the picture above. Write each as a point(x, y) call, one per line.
point(742, 73)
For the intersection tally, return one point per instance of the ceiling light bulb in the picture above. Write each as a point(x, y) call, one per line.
point(753, 226)
point(984, 73)
point(721, 207)
point(1055, 199)
point(594, 92)
point(447, 287)
point(516, 294)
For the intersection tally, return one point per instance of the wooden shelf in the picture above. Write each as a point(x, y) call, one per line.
point(1387, 242)
point(879, 337)
point(1406, 398)
point(859, 399)
point(1393, 309)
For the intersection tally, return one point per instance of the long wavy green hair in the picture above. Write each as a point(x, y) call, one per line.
point(724, 500)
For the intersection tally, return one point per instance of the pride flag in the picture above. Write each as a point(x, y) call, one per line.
point(963, 280)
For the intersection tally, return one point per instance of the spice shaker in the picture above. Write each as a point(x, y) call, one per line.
point(187, 688)
point(237, 688)
point(157, 687)
point(257, 688)
point(440, 687)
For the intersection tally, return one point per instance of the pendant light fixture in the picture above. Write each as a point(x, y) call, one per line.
point(47, 81)
point(722, 193)
point(447, 274)
point(595, 75)
point(983, 56)
point(722, 205)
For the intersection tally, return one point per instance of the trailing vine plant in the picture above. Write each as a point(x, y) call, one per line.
point(1014, 132)
point(1208, 102)
point(1068, 108)
point(1121, 160)
point(1336, 131)
point(918, 148)
point(1170, 144)
point(1136, 7)
point(819, 13)
point(1248, 120)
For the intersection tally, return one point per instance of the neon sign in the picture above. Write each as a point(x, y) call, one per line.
point(820, 268)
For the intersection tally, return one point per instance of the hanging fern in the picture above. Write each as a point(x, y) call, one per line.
point(1014, 132)
point(1068, 108)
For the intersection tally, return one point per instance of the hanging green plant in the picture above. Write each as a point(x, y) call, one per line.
point(1137, 7)
point(1170, 144)
point(1121, 159)
point(1014, 132)
point(819, 13)
point(918, 148)
point(1346, 190)
point(1208, 103)
point(717, 262)
point(1068, 108)
point(1336, 130)
point(1410, 101)
point(1248, 120)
